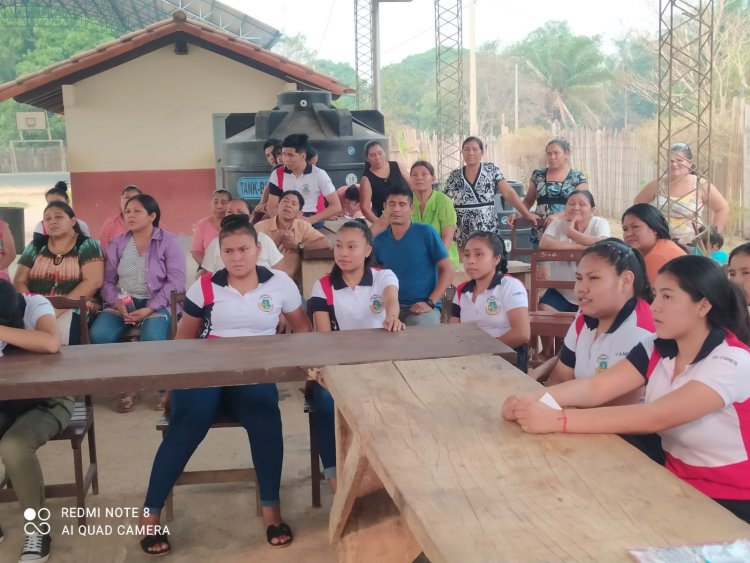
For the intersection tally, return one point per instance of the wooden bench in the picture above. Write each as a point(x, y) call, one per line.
point(425, 463)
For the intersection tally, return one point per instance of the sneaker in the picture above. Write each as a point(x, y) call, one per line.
point(36, 548)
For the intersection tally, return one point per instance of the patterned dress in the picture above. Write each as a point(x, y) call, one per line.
point(551, 196)
point(52, 275)
point(474, 203)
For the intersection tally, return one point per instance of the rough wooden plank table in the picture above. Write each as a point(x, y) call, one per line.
point(175, 364)
point(426, 463)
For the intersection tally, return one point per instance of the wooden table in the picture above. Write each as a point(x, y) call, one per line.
point(425, 463)
point(175, 364)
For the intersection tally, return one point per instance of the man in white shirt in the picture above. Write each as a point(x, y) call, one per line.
point(305, 178)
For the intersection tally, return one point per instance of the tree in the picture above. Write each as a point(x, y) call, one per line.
point(572, 70)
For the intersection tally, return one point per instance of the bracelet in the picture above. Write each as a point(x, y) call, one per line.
point(565, 422)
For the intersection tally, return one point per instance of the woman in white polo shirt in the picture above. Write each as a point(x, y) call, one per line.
point(496, 302)
point(613, 292)
point(695, 369)
point(242, 299)
point(353, 296)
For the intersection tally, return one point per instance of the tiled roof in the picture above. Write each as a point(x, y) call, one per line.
point(43, 88)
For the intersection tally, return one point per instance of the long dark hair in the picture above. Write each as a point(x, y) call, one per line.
point(10, 306)
point(497, 246)
point(367, 233)
point(701, 277)
point(651, 216)
point(150, 204)
point(68, 211)
point(624, 258)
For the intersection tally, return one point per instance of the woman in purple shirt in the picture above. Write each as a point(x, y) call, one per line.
point(147, 263)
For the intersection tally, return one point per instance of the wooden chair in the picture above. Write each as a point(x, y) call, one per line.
point(543, 323)
point(245, 475)
point(81, 426)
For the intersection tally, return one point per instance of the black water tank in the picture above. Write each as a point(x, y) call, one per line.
point(337, 134)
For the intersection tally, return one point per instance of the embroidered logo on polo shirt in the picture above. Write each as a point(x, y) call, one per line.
point(602, 363)
point(306, 189)
point(491, 307)
point(376, 304)
point(265, 303)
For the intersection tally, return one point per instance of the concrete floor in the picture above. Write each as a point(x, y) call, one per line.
point(211, 523)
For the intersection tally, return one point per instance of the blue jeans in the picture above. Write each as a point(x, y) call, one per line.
point(323, 414)
point(109, 327)
point(255, 407)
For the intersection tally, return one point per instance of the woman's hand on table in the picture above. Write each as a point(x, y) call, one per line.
point(535, 417)
point(393, 324)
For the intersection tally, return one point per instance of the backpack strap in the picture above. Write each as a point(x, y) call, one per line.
point(325, 283)
point(459, 291)
point(208, 290)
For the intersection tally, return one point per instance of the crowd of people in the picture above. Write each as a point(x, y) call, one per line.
point(668, 327)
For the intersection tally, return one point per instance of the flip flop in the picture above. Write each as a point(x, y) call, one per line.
point(275, 532)
point(126, 402)
point(150, 541)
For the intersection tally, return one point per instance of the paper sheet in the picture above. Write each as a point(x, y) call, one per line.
point(549, 400)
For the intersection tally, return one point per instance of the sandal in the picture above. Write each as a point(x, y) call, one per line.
point(150, 541)
point(126, 402)
point(275, 532)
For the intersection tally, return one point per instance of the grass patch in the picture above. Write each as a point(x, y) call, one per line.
point(21, 204)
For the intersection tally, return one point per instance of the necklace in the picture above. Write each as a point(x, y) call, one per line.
point(57, 260)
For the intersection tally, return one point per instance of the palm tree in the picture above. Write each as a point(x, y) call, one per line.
point(572, 70)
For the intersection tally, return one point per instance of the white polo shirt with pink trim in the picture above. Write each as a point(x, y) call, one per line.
point(589, 354)
point(710, 453)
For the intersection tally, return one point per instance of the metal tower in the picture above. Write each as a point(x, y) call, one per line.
point(365, 28)
point(686, 45)
point(449, 84)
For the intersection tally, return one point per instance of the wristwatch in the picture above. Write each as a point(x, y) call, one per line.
point(430, 302)
point(301, 246)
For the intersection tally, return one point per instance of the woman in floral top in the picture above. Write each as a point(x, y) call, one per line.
point(550, 187)
point(62, 262)
point(473, 188)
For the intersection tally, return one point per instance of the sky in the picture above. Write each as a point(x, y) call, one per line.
point(408, 27)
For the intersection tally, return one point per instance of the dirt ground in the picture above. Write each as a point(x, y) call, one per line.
point(211, 523)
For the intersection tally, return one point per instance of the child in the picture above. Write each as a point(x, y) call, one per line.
point(613, 293)
point(353, 296)
point(697, 391)
point(496, 302)
point(716, 254)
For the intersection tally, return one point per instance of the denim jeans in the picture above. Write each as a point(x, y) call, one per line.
point(323, 414)
point(255, 407)
point(109, 327)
